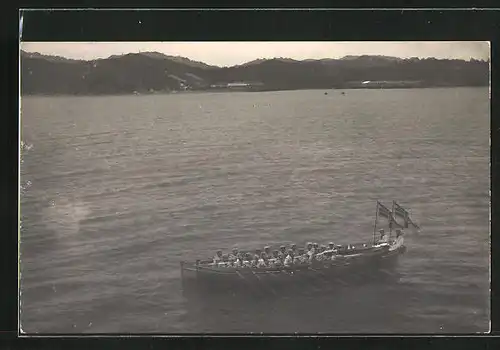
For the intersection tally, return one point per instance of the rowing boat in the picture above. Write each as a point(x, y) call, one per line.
point(351, 260)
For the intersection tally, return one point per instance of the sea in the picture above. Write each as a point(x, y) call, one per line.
point(116, 191)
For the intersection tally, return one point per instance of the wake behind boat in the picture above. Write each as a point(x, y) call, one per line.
point(291, 265)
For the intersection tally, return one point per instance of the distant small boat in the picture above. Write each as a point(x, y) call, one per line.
point(326, 93)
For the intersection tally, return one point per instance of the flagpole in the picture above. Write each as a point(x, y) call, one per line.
point(392, 220)
point(375, 225)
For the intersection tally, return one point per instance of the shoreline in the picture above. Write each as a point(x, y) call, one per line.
point(326, 90)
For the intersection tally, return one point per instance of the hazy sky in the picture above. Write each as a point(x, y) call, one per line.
point(232, 53)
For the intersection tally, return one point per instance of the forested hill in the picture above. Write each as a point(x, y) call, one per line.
point(156, 72)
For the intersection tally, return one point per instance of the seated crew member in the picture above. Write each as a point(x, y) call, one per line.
point(217, 257)
point(331, 248)
point(383, 236)
point(267, 252)
point(303, 257)
point(288, 259)
point(255, 261)
point(277, 261)
point(238, 262)
point(311, 251)
point(294, 249)
point(227, 260)
point(262, 261)
point(223, 262)
point(234, 255)
point(318, 257)
point(282, 253)
point(241, 256)
point(271, 261)
point(297, 258)
point(308, 247)
point(257, 254)
point(399, 238)
point(247, 262)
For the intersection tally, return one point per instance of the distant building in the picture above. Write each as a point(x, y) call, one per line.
point(237, 85)
point(381, 84)
point(241, 85)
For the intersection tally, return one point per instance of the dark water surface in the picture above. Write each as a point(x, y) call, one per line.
point(117, 190)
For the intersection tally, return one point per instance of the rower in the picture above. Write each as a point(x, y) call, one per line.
point(261, 262)
point(282, 252)
point(276, 258)
point(247, 262)
point(271, 261)
point(267, 251)
point(223, 262)
point(319, 257)
point(303, 257)
point(240, 256)
point(309, 246)
point(234, 254)
point(311, 251)
point(257, 254)
point(297, 257)
point(255, 261)
point(294, 249)
point(275, 254)
point(217, 257)
point(289, 259)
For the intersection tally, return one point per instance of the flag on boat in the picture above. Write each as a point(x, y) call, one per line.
point(383, 211)
point(399, 211)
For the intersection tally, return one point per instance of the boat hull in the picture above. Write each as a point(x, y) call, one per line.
point(346, 269)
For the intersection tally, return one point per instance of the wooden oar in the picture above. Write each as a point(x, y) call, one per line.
point(270, 288)
point(246, 281)
point(324, 279)
point(336, 278)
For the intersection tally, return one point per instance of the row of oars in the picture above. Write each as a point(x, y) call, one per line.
point(318, 279)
